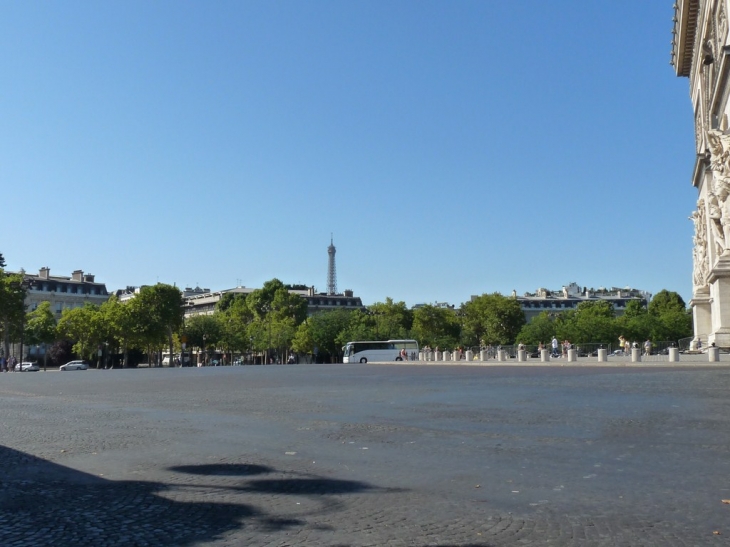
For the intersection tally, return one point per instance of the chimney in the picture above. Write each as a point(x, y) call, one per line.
point(89, 278)
point(44, 272)
point(77, 275)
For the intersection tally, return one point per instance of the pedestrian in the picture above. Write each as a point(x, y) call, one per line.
point(3, 364)
point(647, 347)
point(627, 347)
point(554, 345)
point(11, 364)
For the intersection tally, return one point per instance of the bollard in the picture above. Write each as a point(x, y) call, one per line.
point(469, 355)
point(500, 355)
point(635, 355)
point(544, 355)
point(521, 355)
point(483, 355)
point(437, 356)
point(455, 356)
point(602, 355)
point(572, 355)
point(446, 356)
point(421, 356)
point(673, 355)
point(713, 353)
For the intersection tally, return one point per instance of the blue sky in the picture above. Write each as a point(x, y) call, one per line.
point(452, 148)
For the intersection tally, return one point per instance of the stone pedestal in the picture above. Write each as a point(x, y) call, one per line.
point(719, 300)
point(455, 356)
point(602, 355)
point(635, 355)
point(483, 355)
point(500, 355)
point(447, 356)
point(544, 355)
point(469, 355)
point(713, 354)
point(437, 356)
point(572, 355)
point(521, 355)
point(673, 355)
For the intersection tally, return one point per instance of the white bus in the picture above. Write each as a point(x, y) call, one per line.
point(384, 350)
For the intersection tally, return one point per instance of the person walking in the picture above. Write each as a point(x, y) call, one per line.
point(554, 344)
point(647, 347)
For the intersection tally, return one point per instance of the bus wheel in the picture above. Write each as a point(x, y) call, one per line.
point(399, 358)
point(363, 360)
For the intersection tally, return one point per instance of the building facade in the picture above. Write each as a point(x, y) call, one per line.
point(571, 295)
point(700, 52)
point(64, 292)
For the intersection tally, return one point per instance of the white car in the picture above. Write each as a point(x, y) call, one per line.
point(27, 367)
point(74, 365)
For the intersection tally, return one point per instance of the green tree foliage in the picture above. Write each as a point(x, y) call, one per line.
point(325, 329)
point(12, 306)
point(164, 314)
point(666, 301)
point(436, 327)
point(84, 326)
point(40, 328)
point(203, 331)
point(491, 318)
point(391, 320)
point(541, 329)
point(590, 322)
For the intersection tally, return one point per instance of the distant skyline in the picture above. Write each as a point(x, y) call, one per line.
point(451, 148)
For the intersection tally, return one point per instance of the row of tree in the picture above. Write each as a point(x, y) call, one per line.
point(271, 322)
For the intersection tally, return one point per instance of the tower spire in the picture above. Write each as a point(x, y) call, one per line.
point(331, 269)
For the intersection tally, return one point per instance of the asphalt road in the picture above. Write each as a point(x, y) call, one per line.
point(366, 455)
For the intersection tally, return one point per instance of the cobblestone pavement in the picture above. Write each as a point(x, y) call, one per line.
point(359, 455)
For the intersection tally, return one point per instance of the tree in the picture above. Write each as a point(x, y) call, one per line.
point(83, 327)
point(203, 331)
point(666, 301)
point(12, 305)
point(41, 328)
point(541, 329)
point(493, 319)
point(324, 330)
point(392, 320)
point(590, 322)
point(436, 327)
point(163, 305)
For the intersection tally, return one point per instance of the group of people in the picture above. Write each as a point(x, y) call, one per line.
point(7, 363)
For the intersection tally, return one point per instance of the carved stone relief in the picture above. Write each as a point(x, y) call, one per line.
point(701, 260)
point(718, 196)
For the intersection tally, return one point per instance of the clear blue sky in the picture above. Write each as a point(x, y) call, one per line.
point(452, 148)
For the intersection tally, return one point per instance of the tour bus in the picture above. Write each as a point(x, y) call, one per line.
point(384, 350)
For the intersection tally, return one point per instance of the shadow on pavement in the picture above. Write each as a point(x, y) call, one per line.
point(44, 503)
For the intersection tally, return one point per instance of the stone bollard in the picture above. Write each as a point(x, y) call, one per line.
point(521, 355)
point(602, 355)
point(500, 355)
point(572, 355)
point(713, 353)
point(544, 355)
point(673, 355)
point(446, 356)
point(483, 355)
point(635, 355)
point(455, 356)
point(421, 356)
point(437, 356)
point(469, 355)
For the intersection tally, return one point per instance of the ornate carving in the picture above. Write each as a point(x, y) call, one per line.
point(701, 261)
point(718, 196)
point(721, 25)
point(699, 133)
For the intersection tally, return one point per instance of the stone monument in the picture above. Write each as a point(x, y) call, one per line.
point(700, 52)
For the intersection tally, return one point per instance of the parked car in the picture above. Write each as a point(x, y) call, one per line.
point(74, 365)
point(27, 367)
